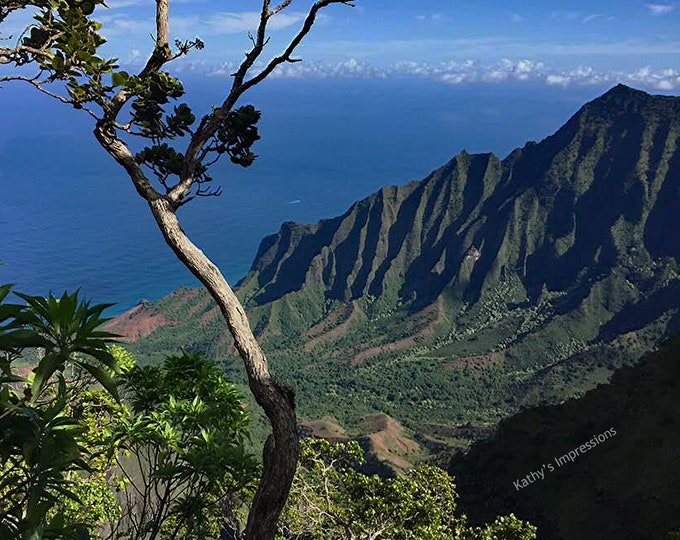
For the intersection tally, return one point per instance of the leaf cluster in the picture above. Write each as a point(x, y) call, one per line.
point(332, 499)
point(41, 443)
point(65, 43)
point(187, 431)
point(150, 93)
point(236, 134)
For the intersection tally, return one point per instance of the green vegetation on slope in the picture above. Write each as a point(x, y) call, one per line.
point(94, 446)
point(490, 285)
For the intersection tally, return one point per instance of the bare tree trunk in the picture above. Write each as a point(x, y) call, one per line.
point(281, 450)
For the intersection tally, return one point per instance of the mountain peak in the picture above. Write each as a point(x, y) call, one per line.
point(621, 100)
point(622, 93)
point(622, 89)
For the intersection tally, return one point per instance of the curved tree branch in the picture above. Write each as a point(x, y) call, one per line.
point(210, 123)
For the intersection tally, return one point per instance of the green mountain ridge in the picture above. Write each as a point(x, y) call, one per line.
point(581, 199)
point(491, 284)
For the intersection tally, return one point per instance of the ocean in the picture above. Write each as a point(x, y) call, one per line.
point(70, 219)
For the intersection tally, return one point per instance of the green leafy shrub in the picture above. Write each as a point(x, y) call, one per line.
point(332, 500)
point(90, 442)
point(185, 456)
point(44, 447)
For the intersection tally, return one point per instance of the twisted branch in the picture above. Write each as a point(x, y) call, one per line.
point(196, 150)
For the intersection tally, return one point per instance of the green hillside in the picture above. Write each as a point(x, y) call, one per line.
point(492, 284)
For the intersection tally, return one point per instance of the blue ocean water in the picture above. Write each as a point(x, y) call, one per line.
point(69, 217)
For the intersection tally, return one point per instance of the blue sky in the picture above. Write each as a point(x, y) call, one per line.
point(457, 42)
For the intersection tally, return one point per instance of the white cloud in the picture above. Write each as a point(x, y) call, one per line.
point(590, 17)
point(121, 4)
point(525, 68)
point(432, 17)
point(470, 71)
point(234, 23)
point(516, 18)
point(214, 24)
point(575, 16)
point(347, 69)
point(664, 79)
point(645, 77)
point(454, 72)
point(579, 75)
point(660, 9)
point(561, 80)
point(116, 25)
point(566, 15)
point(135, 58)
point(507, 70)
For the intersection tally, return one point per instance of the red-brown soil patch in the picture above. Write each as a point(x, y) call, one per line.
point(330, 320)
point(325, 331)
point(495, 358)
point(209, 315)
point(388, 441)
point(402, 344)
point(199, 306)
point(138, 322)
point(428, 319)
point(188, 293)
point(225, 338)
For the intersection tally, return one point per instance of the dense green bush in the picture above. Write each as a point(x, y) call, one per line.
point(332, 500)
point(89, 442)
point(185, 460)
point(45, 446)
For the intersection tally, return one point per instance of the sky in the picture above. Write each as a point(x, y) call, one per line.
point(456, 42)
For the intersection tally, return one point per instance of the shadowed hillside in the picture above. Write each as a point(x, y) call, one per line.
point(625, 487)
